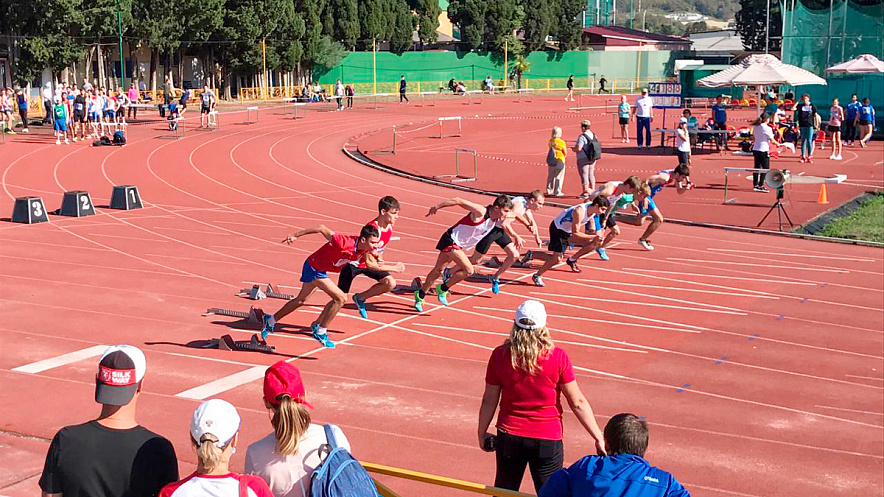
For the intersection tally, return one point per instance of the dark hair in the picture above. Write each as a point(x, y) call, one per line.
point(601, 201)
point(866, 100)
point(632, 182)
point(503, 201)
point(369, 231)
point(686, 110)
point(535, 194)
point(854, 95)
point(805, 95)
point(387, 203)
point(626, 433)
point(682, 169)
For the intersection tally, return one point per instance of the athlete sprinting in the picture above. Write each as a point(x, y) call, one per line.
point(505, 236)
point(569, 227)
point(388, 212)
point(330, 258)
point(620, 194)
point(463, 236)
point(680, 178)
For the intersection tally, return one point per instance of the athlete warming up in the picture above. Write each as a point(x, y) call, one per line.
point(506, 237)
point(569, 227)
point(330, 258)
point(388, 212)
point(464, 235)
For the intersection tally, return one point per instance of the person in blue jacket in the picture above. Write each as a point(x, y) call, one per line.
point(622, 473)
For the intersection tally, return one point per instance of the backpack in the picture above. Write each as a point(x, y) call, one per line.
point(551, 160)
point(119, 139)
point(339, 474)
point(593, 149)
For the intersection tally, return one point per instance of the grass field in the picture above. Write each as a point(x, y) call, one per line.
point(865, 223)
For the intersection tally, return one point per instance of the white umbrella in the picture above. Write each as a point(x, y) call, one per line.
point(764, 69)
point(861, 64)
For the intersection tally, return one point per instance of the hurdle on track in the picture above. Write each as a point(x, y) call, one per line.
point(473, 97)
point(391, 150)
point(524, 95)
point(179, 131)
point(457, 177)
point(426, 99)
point(442, 120)
point(584, 102)
point(251, 111)
point(214, 121)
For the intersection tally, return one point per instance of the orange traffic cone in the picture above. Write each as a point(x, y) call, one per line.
point(824, 197)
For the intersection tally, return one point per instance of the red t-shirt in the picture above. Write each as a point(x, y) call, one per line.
point(530, 405)
point(332, 256)
point(385, 236)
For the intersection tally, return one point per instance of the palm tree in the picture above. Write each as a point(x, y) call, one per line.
point(520, 67)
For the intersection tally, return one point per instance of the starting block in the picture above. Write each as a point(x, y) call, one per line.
point(228, 343)
point(125, 197)
point(253, 316)
point(255, 293)
point(29, 210)
point(76, 203)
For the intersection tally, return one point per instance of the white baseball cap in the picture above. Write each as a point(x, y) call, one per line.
point(531, 315)
point(683, 120)
point(217, 418)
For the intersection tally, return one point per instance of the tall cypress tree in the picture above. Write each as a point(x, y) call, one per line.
point(751, 20)
point(538, 23)
point(469, 16)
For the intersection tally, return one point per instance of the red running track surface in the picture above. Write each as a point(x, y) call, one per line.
point(756, 359)
point(511, 142)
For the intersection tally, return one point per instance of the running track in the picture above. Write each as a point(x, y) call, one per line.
point(756, 359)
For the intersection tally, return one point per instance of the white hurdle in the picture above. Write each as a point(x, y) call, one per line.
point(249, 112)
point(525, 95)
point(459, 120)
point(461, 178)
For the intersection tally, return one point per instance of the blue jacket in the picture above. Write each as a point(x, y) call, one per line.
point(623, 475)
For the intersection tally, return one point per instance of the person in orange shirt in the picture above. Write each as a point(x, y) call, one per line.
point(555, 160)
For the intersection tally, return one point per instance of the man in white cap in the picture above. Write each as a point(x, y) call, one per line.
point(111, 456)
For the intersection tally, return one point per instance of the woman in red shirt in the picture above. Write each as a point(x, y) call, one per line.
point(525, 376)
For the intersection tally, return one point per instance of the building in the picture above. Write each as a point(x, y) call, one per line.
point(686, 17)
point(718, 43)
point(626, 39)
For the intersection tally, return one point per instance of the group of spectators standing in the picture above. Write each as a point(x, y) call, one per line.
point(114, 456)
point(89, 111)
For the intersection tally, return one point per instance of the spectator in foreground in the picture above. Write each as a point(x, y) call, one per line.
point(524, 377)
point(214, 432)
point(622, 473)
point(111, 456)
point(286, 458)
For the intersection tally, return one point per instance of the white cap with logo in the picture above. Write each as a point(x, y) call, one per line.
point(531, 315)
point(216, 418)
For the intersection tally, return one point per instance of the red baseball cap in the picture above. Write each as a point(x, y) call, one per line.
point(284, 379)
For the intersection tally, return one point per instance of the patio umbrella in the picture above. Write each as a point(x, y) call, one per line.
point(862, 64)
point(760, 70)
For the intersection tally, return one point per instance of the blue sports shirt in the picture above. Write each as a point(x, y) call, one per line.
point(623, 475)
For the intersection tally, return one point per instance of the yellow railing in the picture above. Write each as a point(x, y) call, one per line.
point(440, 481)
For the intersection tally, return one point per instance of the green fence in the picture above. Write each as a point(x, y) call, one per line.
point(430, 69)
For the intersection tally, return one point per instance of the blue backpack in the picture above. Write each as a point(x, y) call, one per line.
point(339, 474)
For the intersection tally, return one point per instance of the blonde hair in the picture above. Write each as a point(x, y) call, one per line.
point(290, 422)
point(557, 132)
point(527, 347)
point(208, 454)
point(644, 189)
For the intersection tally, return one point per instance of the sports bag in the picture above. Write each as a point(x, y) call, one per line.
point(593, 149)
point(551, 160)
point(339, 474)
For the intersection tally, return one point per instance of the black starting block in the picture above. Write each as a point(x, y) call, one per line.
point(227, 342)
point(125, 197)
point(76, 203)
point(254, 315)
point(29, 210)
point(255, 293)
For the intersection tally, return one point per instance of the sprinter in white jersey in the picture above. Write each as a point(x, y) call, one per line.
point(464, 235)
point(505, 237)
point(620, 194)
point(569, 227)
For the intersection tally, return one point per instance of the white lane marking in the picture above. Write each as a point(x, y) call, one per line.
point(676, 273)
point(62, 360)
point(792, 255)
point(864, 377)
point(667, 306)
point(851, 410)
point(678, 259)
point(579, 344)
point(755, 294)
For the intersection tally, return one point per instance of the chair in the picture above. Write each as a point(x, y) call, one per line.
point(820, 139)
point(787, 104)
point(753, 102)
point(744, 102)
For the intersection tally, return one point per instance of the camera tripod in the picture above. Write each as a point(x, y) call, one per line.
point(781, 211)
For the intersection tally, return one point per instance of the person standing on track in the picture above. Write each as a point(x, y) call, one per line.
point(867, 123)
point(388, 213)
point(463, 236)
point(80, 115)
point(643, 113)
point(683, 141)
point(524, 378)
point(836, 118)
point(207, 105)
point(339, 94)
point(570, 85)
point(133, 101)
point(112, 455)
point(337, 252)
point(60, 113)
point(850, 129)
point(568, 228)
point(555, 161)
point(588, 151)
point(403, 87)
point(806, 116)
point(719, 117)
point(763, 137)
point(623, 116)
point(21, 97)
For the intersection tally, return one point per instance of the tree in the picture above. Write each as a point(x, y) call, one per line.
point(751, 23)
point(427, 19)
point(341, 21)
point(47, 32)
point(566, 28)
point(537, 24)
point(469, 16)
point(696, 27)
point(402, 29)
